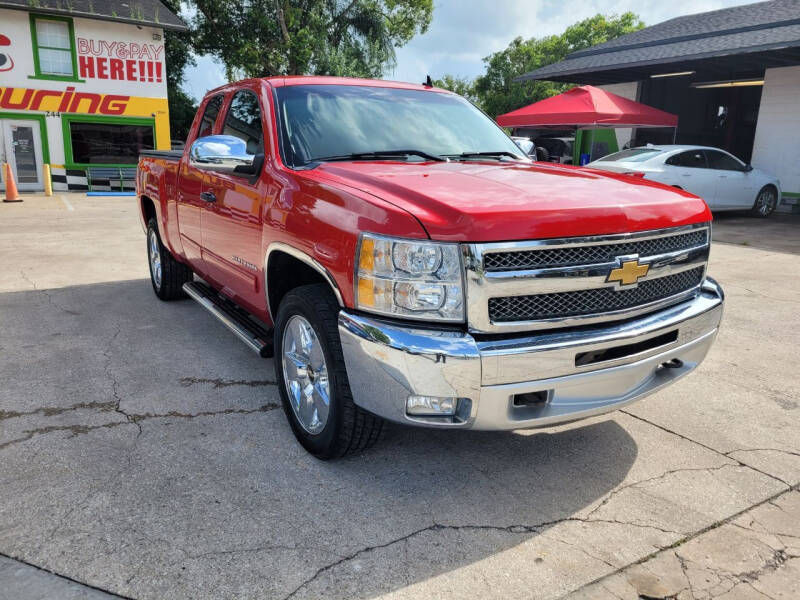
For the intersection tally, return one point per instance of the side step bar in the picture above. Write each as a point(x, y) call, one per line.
point(232, 316)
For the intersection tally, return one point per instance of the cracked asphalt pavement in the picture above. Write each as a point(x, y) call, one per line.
point(144, 453)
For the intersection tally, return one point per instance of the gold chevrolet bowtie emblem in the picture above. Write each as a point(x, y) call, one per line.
point(629, 273)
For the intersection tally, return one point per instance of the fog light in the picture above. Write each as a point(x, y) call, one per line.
point(431, 406)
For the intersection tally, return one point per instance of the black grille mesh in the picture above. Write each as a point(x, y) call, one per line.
point(588, 255)
point(587, 302)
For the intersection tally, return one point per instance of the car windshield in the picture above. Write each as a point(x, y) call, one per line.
point(329, 121)
point(631, 155)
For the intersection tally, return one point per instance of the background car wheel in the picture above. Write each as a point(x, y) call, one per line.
point(542, 154)
point(312, 379)
point(166, 274)
point(766, 202)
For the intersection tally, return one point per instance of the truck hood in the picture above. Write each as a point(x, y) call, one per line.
point(491, 201)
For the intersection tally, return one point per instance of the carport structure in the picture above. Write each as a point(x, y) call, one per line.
point(732, 76)
point(588, 107)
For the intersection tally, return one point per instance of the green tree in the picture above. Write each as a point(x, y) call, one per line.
point(497, 92)
point(322, 37)
point(460, 85)
point(178, 55)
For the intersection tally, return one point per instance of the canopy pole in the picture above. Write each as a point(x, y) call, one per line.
point(674, 133)
point(591, 142)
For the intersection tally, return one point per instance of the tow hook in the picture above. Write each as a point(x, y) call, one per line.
point(675, 363)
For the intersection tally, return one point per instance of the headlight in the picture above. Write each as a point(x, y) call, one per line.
point(416, 279)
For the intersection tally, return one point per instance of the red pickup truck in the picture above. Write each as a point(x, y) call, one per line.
point(403, 259)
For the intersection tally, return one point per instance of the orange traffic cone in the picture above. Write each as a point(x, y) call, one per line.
point(12, 195)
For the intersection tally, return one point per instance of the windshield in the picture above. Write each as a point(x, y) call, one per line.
point(319, 121)
point(632, 155)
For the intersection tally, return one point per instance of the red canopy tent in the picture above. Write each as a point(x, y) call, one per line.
point(588, 106)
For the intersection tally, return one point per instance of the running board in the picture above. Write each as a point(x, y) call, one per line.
point(232, 316)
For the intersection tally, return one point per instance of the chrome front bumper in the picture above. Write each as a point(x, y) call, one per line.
point(629, 360)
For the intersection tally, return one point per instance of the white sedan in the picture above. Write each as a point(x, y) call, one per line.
point(719, 178)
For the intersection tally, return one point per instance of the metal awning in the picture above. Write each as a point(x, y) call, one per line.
point(731, 43)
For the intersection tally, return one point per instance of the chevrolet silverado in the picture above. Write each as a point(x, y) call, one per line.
point(403, 259)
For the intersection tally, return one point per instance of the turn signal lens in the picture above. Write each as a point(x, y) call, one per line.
point(410, 278)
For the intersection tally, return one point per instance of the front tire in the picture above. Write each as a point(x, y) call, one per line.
point(312, 378)
point(166, 274)
point(766, 202)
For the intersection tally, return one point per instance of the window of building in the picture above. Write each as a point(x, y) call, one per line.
point(53, 48)
point(244, 121)
point(95, 142)
point(210, 116)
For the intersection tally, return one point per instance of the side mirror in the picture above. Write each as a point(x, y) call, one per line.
point(224, 154)
point(748, 167)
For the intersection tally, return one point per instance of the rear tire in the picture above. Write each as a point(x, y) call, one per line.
point(166, 274)
point(312, 378)
point(765, 203)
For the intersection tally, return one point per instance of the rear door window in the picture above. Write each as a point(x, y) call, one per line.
point(210, 115)
point(694, 159)
point(632, 155)
point(722, 162)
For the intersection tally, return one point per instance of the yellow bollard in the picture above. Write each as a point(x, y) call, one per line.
point(48, 184)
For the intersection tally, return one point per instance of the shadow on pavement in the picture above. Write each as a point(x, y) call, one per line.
point(777, 233)
point(161, 466)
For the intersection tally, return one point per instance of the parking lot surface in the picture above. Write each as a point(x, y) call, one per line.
point(144, 453)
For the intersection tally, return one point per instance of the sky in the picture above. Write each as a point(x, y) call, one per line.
point(463, 32)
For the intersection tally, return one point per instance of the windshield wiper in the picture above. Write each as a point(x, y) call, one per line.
point(378, 155)
point(498, 154)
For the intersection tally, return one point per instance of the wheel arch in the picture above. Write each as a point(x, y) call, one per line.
point(282, 259)
point(147, 209)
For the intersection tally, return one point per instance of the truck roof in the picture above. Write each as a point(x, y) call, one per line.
point(285, 80)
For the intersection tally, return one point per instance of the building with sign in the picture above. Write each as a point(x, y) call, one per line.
point(82, 85)
point(732, 76)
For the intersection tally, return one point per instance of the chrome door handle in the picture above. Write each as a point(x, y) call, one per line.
point(208, 196)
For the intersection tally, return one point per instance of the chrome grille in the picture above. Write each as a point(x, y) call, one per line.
point(592, 301)
point(591, 254)
point(540, 284)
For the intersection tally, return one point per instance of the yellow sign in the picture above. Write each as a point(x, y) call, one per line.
point(74, 102)
point(629, 273)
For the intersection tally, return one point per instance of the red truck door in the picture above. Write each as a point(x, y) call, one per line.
point(232, 222)
point(190, 188)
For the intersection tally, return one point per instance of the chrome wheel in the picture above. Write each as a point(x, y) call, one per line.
point(305, 374)
point(155, 257)
point(765, 202)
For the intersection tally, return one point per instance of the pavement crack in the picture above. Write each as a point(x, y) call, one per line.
point(47, 294)
point(634, 484)
point(51, 411)
point(136, 419)
point(64, 577)
point(28, 280)
point(707, 447)
point(512, 529)
point(586, 553)
point(684, 540)
point(109, 373)
point(75, 430)
point(782, 451)
point(218, 383)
